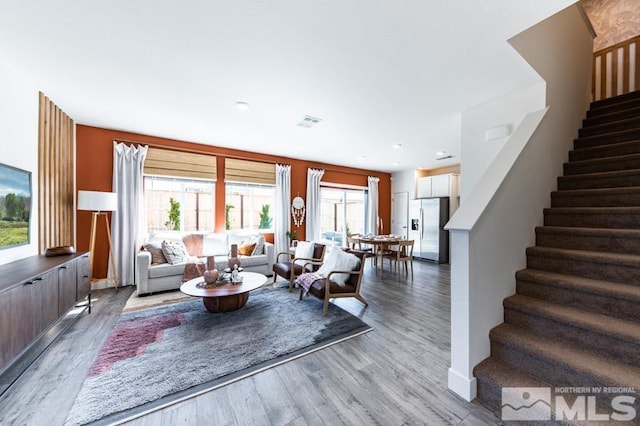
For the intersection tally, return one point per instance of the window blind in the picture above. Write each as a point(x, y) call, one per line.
point(249, 171)
point(165, 162)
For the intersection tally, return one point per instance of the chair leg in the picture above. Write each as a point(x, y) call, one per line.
point(291, 278)
point(325, 306)
point(360, 298)
point(275, 276)
point(301, 292)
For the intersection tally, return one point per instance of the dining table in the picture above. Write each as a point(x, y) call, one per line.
point(380, 244)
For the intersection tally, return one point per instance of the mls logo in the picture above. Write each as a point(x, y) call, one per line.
point(526, 403)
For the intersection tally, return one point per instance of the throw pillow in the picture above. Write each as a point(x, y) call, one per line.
point(338, 260)
point(174, 251)
point(259, 248)
point(304, 250)
point(246, 249)
point(155, 249)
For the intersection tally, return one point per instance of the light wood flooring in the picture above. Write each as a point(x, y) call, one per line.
point(393, 375)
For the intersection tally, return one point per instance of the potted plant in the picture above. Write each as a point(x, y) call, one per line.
point(293, 238)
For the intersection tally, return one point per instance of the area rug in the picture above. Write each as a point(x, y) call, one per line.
point(159, 356)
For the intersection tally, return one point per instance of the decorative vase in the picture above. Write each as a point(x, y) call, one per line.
point(233, 257)
point(211, 274)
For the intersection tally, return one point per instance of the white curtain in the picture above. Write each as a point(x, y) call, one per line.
point(283, 205)
point(372, 208)
point(314, 219)
point(128, 222)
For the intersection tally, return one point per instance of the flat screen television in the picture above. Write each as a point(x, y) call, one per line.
point(15, 206)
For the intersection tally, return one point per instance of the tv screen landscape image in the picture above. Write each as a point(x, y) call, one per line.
point(15, 206)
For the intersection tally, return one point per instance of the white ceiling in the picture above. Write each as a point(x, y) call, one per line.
point(378, 72)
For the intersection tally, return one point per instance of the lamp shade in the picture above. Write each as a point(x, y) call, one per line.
point(97, 201)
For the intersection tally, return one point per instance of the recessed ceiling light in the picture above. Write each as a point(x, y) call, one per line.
point(396, 145)
point(396, 163)
point(242, 105)
point(439, 153)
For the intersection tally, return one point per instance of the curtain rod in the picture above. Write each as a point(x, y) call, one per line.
point(238, 157)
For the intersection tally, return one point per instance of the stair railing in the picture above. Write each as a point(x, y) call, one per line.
point(616, 69)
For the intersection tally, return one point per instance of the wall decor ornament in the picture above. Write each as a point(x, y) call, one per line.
point(297, 210)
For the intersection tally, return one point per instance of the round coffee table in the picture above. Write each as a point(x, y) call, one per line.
point(226, 297)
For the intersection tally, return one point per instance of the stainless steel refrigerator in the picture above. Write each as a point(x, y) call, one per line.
point(427, 218)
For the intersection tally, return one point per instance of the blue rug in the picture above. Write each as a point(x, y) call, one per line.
point(159, 356)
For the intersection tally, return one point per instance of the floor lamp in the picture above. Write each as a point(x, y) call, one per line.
point(99, 203)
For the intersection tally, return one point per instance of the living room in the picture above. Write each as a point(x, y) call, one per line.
point(393, 312)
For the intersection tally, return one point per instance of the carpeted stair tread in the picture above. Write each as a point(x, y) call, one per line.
point(593, 217)
point(492, 375)
point(597, 197)
point(614, 179)
point(610, 127)
point(598, 239)
point(630, 111)
point(632, 260)
point(604, 151)
point(610, 289)
point(584, 365)
point(624, 332)
point(626, 101)
point(607, 138)
point(606, 164)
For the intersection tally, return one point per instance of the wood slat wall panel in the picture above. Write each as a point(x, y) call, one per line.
point(249, 171)
point(166, 162)
point(56, 165)
point(608, 67)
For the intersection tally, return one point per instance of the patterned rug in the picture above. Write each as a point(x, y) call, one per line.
point(159, 356)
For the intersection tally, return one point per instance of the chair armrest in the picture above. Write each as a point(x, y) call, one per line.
point(142, 265)
point(277, 258)
point(269, 251)
point(309, 261)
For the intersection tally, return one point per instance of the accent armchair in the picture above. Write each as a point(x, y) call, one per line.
point(289, 266)
point(326, 288)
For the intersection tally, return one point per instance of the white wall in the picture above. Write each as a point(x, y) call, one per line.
point(490, 233)
point(507, 110)
point(19, 145)
point(404, 181)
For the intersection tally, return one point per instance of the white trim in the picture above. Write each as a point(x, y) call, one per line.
point(464, 387)
point(342, 186)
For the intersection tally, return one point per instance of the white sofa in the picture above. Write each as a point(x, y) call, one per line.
point(151, 278)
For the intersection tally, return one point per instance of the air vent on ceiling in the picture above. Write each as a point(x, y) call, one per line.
point(444, 157)
point(309, 121)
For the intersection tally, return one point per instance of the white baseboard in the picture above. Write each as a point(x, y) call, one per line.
point(462, 386)
point(102, 283)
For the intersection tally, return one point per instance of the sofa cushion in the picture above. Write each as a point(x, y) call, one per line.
point(246, 249)
point(155, 248)
point(216, 244)
point(174, 251)
point(193, 243)
point(259, 248)
point(246, 261)
point(166, 270)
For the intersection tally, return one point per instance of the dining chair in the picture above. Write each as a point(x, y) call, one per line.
point(401, 252)
point(355, 246)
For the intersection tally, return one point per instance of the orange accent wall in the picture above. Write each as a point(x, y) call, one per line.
point(94, 166)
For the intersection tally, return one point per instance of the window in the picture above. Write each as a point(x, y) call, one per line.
point(343, 212)
point(249, 206)
point(179, 204)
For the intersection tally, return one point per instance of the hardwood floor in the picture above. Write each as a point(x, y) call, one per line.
point(393, 375)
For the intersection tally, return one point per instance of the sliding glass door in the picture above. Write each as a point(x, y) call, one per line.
point(343, 213)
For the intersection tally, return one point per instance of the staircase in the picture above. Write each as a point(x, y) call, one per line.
point(575, 317)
